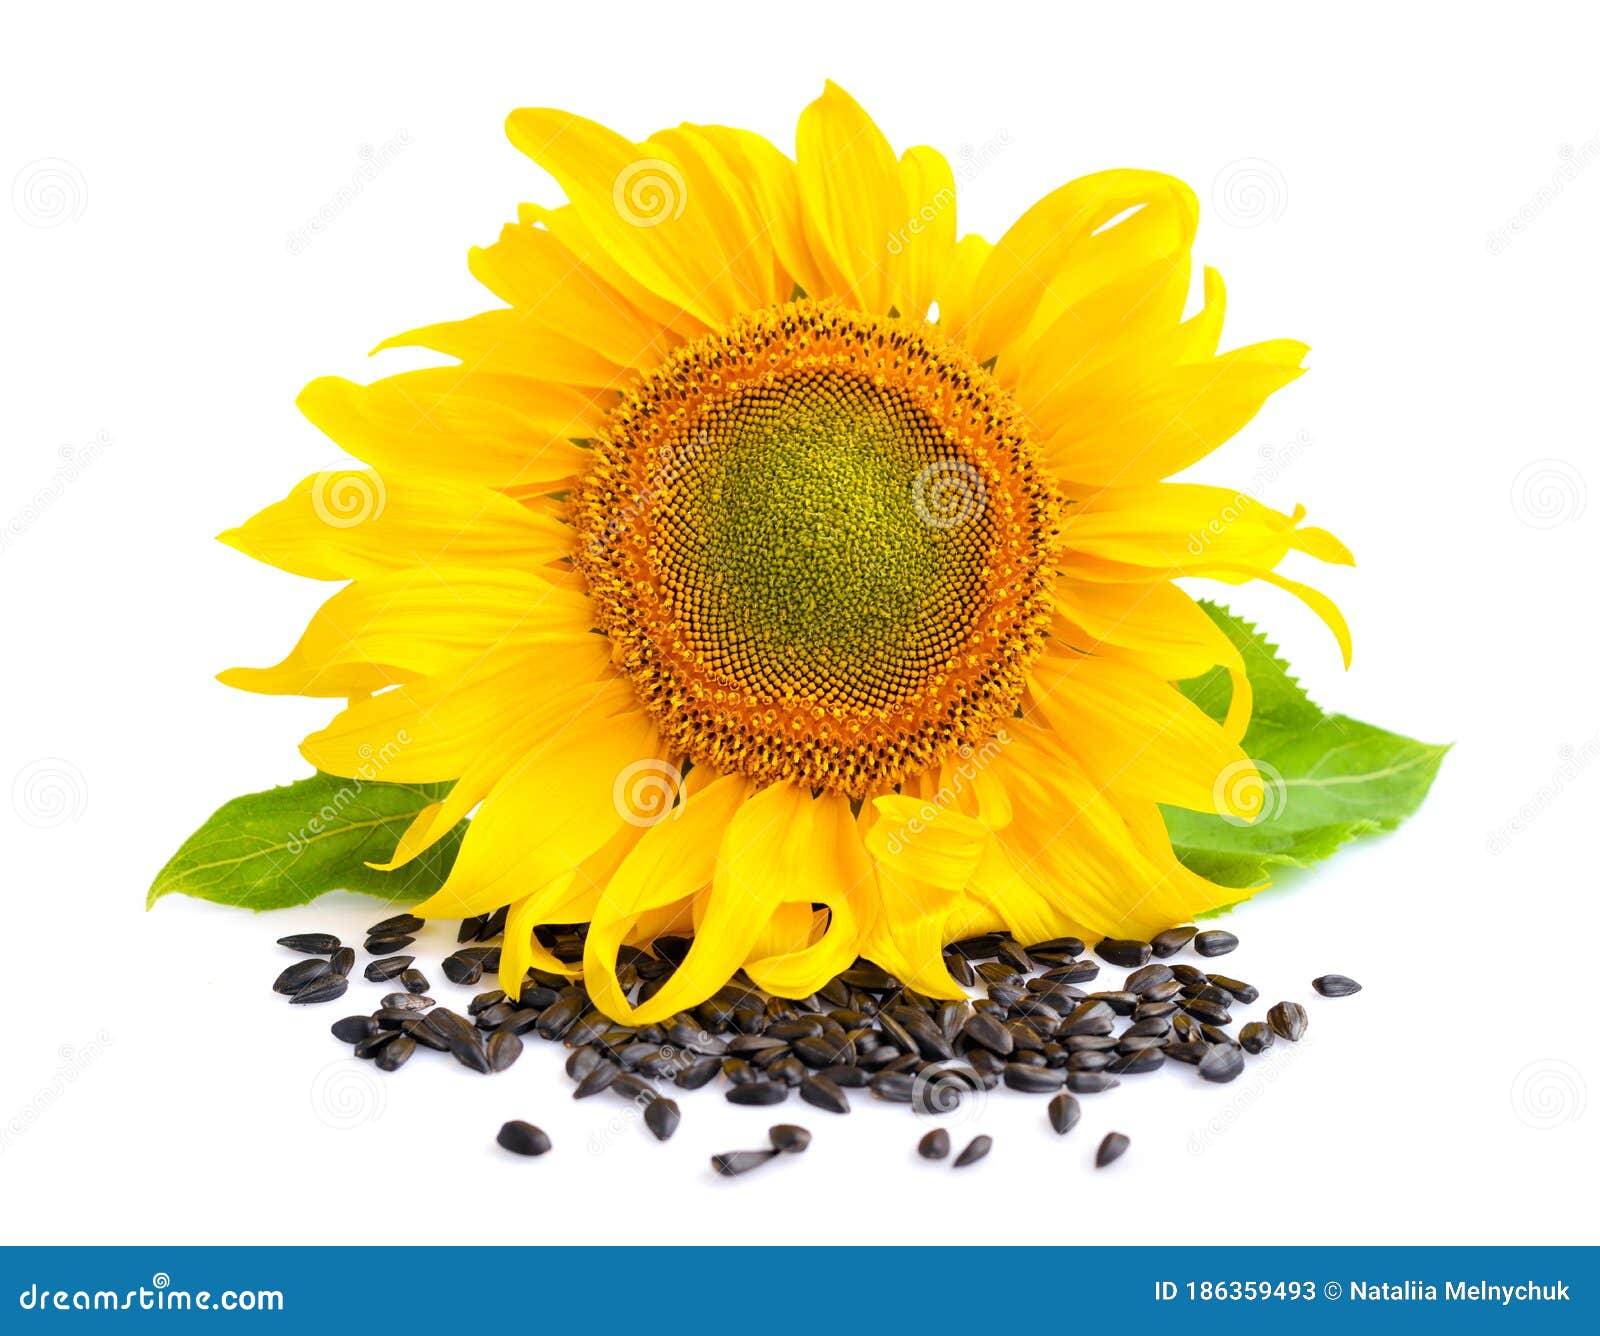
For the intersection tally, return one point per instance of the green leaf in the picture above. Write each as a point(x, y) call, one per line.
point(1326, 778)
point(289, 845)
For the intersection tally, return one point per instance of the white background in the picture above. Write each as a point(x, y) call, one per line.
point(158, 323)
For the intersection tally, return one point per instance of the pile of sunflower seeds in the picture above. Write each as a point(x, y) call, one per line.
point(1040, 1027)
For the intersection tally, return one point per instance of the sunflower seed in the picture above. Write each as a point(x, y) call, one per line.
point(851, 1078)
point(733, 1162)
point(1123, 1004)
point(1033, 1080)
point(387, 946)
point(1222, 1063)
point(371, 1046)
point(1122, 951)
point(602, 1076)
point(1215, 943)
point(1255, 1037)
point(1089, 1083)
point(1335, 985)
point(392, 1056)
point(1208, 1012)
point(483, 1001)
point(298, 975)
point(976, 1149)
point(1238, 990)
point(1076, 971)
point(698, 1073)
point(414, 981)
point(1063, 946)
point(1137, 1060)
point(397, 926)
point(960, 969)
point(1092, 1017)
point(1288, 1020)
point(1170, 942)
point(459, 970)
point(468, 1051)
point(758, 1092)
point(1015, 956)
point(1188, 974)
point(324, 989)
point(1147, 977)
point(343, 960)
point(353, 1029)
point(425, 1034)
point(406, 1002)
point(503, 1049)
point(587, 1028)
point(1088, 1060)
point(381, 971)
point(662, 1116)
point(522, 1138)
point(896, 1087)
point(984, 1029)
point(935, 1145)
point(788, 1138)
point(1111, 1147)
point(555, 1021)
point(311, 943)
point(1158, 1027)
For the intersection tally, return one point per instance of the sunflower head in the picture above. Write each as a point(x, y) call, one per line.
point(781, 567)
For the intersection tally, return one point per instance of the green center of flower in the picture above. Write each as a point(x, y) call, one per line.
point(831, 543)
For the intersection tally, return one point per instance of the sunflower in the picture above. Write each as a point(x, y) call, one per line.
point(780, 568)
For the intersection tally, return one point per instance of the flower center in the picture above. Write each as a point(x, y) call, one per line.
point(819, 544)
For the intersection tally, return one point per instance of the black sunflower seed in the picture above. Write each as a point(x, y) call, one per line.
point(960, 969)
point(311, 943)
point(1123, 1004)
point(1088, 1060)
point(1235, 988)
point(381, 971)
point(387, 946)
point(935, 1145)
point(1335, 985)
point(1215, 943)
point(587, 1028)
point(298, 975)
point(758, 1092)
point(371, 1046)
point(537, 995)
point(522, 1138)
point(397, 926)
point(414, 981)
point(1255, 1037)
point(732, 1162)
point(1192, 1051)
point(1076, 971)
point(325, 989)
point(1288, 1020)
point(976, 1149)
point(406, 1002)
point(519, 1021)
point(1170, 942)
point(1188, 974)
point(392, 1056)
point(789, 1138)
point(503, 1049)
point(554, 1021)
point(1063, 946)
point(662, 1117)
point(353, 1029)
point(459, 970)
point(466, 1049)
point(1112, 1146)
point(698, 1073)
point(581, 1062)
point(1064, 1112)
point(1137, 1060)
point(851, 1078)
point(602, 1076)
point(343, 960)
point(425, 1034)
point(1091, 1017)
point(494, 924)
point(1222, 1063)
point(1207, 1012)
point(1122, 951)
point(1089, 1083)
point(1150, 1027)
point(1033, 1080)
point(984, 1029)
point(1147, 977)
point(896, 1087)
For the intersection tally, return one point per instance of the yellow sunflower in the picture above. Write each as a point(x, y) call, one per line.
point(781, 568)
